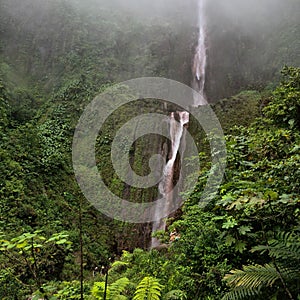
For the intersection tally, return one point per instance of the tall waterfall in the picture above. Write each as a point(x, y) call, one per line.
point(200, 58)
point(166, 185)
point(176, 128)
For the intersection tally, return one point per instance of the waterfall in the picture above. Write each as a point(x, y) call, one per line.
point(166, 185)
point(176, 129)
point(200, 58)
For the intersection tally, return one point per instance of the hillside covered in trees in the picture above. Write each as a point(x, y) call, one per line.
point(56, 56)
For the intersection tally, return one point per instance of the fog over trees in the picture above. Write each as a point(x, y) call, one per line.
point(56, 56)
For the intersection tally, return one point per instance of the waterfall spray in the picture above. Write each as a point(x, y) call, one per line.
point(200, 58)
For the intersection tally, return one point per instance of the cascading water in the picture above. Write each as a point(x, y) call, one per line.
point(177, 130)
point(200, 59)
point(166, 185)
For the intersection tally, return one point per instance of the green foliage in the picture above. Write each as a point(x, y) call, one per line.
point(48, 82)
point(245, 103)
point(258, 200)
point(10, 285)
point(4, 108)
point(285, 247)
point(62, 290)
point(114, 290)
point(249, 281)
point(54, 143)
point(68, 290)
point(284, 108)
point(270, 202)
point(175, 295)
point(148, 289)
point(36, 254)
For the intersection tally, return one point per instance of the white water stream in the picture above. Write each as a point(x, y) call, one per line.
point(166, 185)
point(200, 59)
point(176, 129)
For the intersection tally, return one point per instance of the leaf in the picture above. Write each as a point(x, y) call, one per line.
point(63, 241)
point(284, 198)
point(10, 246)
point(244, 229)
point(118, 287)
point(240, 246)
point(295, 149)
point(253, 276)
point(229, 240)
point(148, 288)
point(230, 223)
point(114, 290)
point(271, 195)
point(22, 245)
point(118, 265)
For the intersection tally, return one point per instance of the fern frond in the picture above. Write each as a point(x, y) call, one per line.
point(248, 281)
point(113, 292)
point(280, 251)
point(148, 289)
point(253, 276)
point(117, 265)
point(98, 290)
point(241, 293)
point(118, 287)
point(286, 247)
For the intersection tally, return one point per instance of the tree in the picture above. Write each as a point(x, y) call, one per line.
point(284, 108)
point(31, 258)
point(279, 277)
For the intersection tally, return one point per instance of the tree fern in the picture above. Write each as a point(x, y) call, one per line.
point(285, 247)
point(253, 276)
point(241, 293)
point(148, 289)
point(250, 280)
point(285, 253)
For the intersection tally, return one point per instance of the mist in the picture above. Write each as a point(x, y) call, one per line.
point(247, 40)
point(247, 15)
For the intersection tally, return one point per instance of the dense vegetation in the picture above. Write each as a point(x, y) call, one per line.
point(54, 245)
